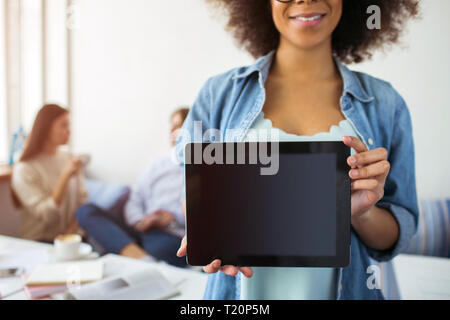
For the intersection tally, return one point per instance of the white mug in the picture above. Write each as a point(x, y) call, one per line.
point(67, 246)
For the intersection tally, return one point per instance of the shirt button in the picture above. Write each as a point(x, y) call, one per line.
point(370, 141)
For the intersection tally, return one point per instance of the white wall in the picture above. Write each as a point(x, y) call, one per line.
point(136, 60)
point(420, 71)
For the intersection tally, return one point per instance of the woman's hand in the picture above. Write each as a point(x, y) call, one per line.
point(72, 167)
point(74, 228)
point(215, 265)
point(369, 169)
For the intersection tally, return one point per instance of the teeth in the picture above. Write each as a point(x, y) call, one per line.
point(308, 19)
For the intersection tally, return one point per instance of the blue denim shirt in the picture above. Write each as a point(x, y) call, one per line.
point(234, 99)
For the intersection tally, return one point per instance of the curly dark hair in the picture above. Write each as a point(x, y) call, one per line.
point(252, 26)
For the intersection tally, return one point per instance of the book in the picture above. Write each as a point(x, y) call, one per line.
point(145, 284)
point(66, 273)
point(40, 292)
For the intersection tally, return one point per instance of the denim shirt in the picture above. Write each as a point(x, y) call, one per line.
point(233, 100)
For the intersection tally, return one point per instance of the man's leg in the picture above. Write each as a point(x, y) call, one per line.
point(112, 235)
point(163, 246)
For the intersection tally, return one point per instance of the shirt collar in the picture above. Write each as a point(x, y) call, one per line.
point(352, 85)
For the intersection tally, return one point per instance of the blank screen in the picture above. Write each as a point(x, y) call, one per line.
point(291, 213)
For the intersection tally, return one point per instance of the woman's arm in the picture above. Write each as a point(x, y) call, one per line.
point(384, 199)
point(377, 228)
point(72, 167)
point(83, 195)
point(27, 185)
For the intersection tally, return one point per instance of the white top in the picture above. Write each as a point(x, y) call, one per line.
point(34, 182)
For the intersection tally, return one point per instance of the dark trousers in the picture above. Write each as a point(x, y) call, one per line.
point(113, 235)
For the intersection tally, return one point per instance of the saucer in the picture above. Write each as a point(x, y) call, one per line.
point(84, 252)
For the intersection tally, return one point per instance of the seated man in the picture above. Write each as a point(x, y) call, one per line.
point(154, 221)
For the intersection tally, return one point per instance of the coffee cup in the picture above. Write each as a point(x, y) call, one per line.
point(67, 246)
point(85, 159)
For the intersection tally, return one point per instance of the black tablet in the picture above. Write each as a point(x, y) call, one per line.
point(261, 204)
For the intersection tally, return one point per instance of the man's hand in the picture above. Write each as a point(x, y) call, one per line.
point(157, 219)
point(164, 218)
point(146, 223)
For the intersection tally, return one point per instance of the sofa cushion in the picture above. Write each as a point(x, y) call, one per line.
point(433, 232)
point(108, 196)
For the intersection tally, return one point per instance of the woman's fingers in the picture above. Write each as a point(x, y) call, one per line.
point(246, 271)
point(354, 143)
point(213, 267)
point(232, 270)
point(365, 184)
point(183, 248)
point(380, 168)
point(367, 157)
point(229, 270)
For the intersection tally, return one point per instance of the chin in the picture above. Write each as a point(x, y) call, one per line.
point(308, 42)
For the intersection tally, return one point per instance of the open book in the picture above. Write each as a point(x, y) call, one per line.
point(146, 284)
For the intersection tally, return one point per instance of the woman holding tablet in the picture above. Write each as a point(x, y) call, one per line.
point(300, 86)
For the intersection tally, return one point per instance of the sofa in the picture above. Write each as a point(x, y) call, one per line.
point(431, 239)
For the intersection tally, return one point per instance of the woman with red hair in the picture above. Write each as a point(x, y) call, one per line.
point(47, 181)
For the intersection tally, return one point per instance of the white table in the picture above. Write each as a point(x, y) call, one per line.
point(422, 278)
point(418, 277)
point(29, 254)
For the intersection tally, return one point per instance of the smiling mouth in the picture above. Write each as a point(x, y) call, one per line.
point(307, 19)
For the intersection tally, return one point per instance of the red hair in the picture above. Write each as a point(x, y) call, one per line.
point(38, 136)
point(41, 130)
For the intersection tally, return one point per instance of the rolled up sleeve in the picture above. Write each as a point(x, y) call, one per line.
point(407, 227)
point(400, 197)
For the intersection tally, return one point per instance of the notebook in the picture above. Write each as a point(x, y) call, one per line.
point(66, 273)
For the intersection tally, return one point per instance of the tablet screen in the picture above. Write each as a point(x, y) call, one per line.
point(288, 218)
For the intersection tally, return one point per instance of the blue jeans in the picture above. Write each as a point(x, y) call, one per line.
point(114, 235)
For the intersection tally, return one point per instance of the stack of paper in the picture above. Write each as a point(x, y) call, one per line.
point(66, 273)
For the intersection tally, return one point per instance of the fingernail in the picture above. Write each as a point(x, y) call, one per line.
point(352, 160)
point(355, 173)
